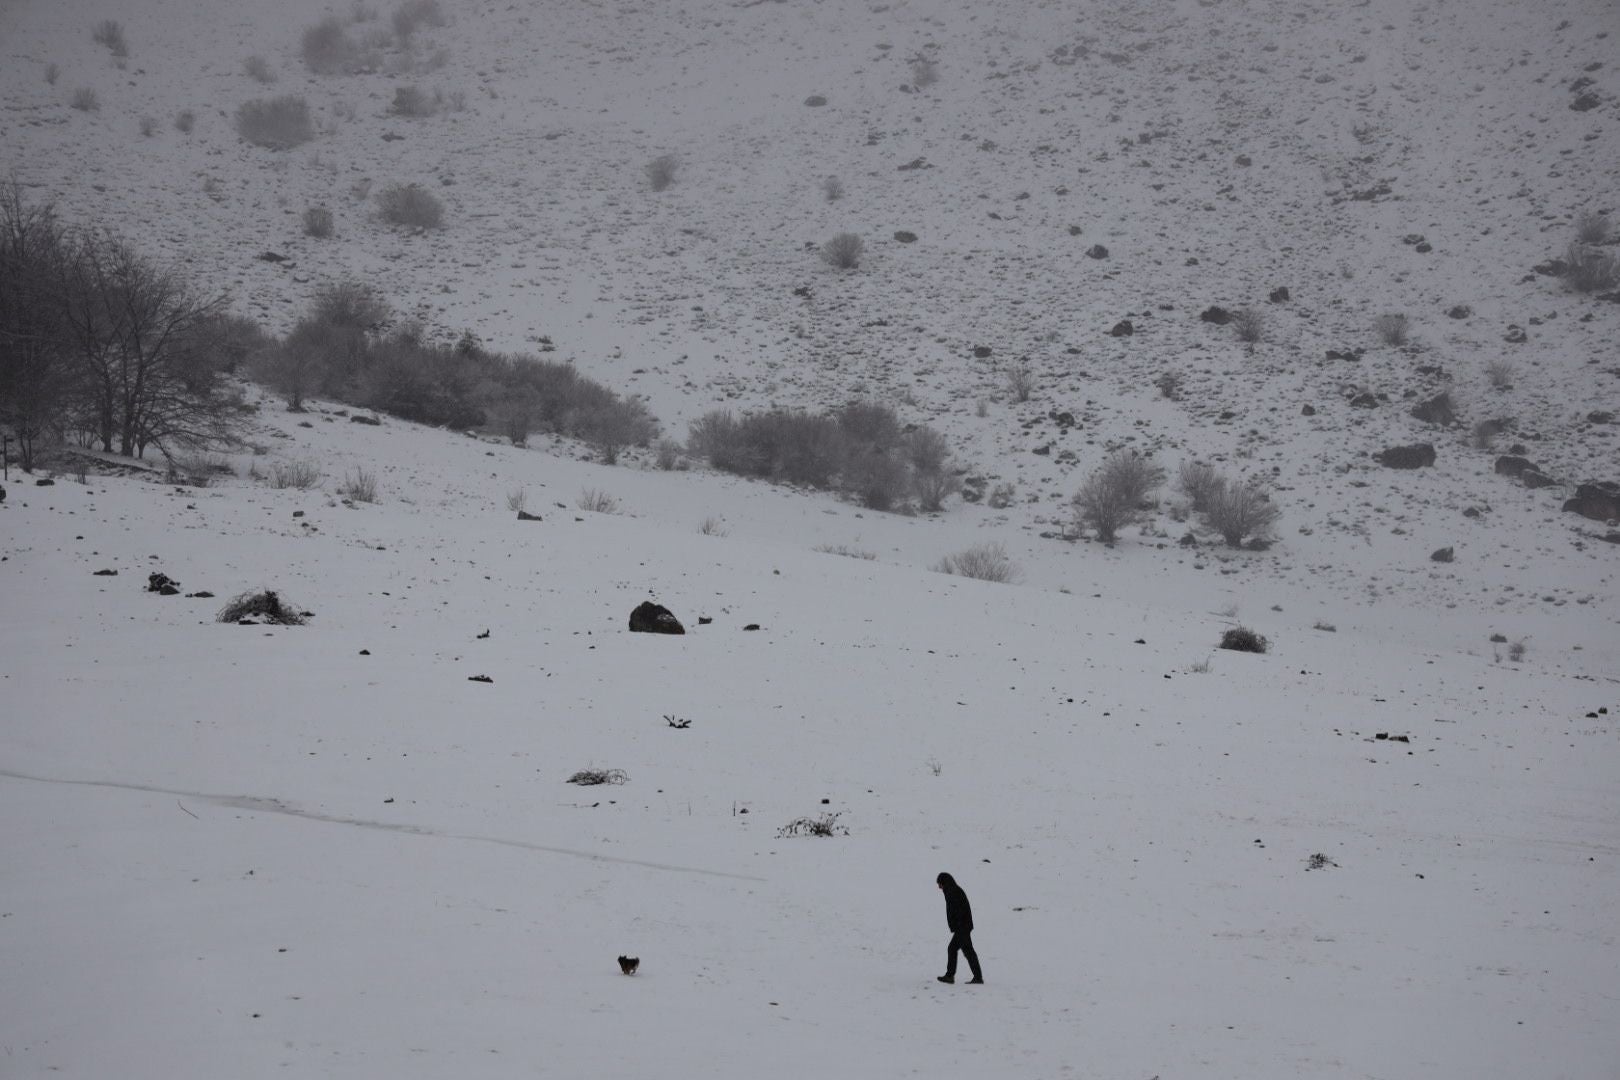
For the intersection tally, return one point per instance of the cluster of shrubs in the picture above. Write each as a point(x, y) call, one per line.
point(861, 450)
point(278, 123)
point(1118, 492)
point(329, 47)
point(349, 348)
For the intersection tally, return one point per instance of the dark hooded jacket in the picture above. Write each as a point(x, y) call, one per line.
point(958, 913)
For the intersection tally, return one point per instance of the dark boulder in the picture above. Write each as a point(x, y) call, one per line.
point(1416, 456)
point(1279, 295)
point(1307, 410)
point(162, 584)
point(358, 419)
point(1123, 328)
point(1445, 554)
point(1217, 315)
point(1437, 410)
point(902, 236)
point(1534, 478)
point(1097, 251)
point(44, 481)
point(1599, 501)
point(1514, 466)
point(524, 515)
point(981, 352)
point(1364, 400)
point(651, 618)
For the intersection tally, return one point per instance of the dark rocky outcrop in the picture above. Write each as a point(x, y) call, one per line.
point(1415, 456)
point(1514, 466)
point(1123, 328)
point(1599, 501)
point(1215, 314)
point(524, 515)
point(162, 584)
point(1097, 251)
point(1437, 410)
point(651, 618)
point(1445, 554)
point(1279, 295)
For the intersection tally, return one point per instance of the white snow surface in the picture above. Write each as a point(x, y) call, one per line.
point(253, 851)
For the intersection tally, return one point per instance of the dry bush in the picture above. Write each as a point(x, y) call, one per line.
point(302, 475)
point(1591, 228)
point(1020, 381)
point(1392, 329)
point(713, 526)
point(53, 71)
point(832, 189)
point(1169, 384)
point(517, 500)
point(1242, 639)
point(148, 126)
point(1590, 270)
point(279, 123)
point(1499, 373)
point(1112, 496)
point(593, 777)
point(843, 251)
point(825, 825)
point(413, 101)
point(85, 99)
point(258, 69)
point(410, 205)
point(264, 606)
point(983, 562)
point(184, 121)
point(667, 454)
point(1001, 496)
point(110, 32)
point(1249, 324)
point(412, 15)
point(924, 72)
point(1200, 483)
point(597, 501)
point(327, 49)
point(845, 550)
point(661, 171)
point(933, 488)
point(1240, 510)
point(318, 222)
point(359, 486)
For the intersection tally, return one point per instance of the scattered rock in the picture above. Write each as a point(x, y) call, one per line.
point(1461, 311)
point(1515, 335)
point(272, 257)
point(1437, 410)
point(1280, 295)
point(162, 584)
point(1415, 456)
point(1245, 160)
point(1586, 102)
point(1365, 400)
point(1308, 410)
point(1123, 328)
point(1074, 230)
point(1445, 554)
point(524, 515)
point(815, 101)
point(1534, 478)
point(1511, 465)
point(44, 481)
point(904, 237)
point(981, 352)
point(1344, 354)
point(1097, 251)
point(1599, 501)
point(358, 419)
point(705, 620)
point(651, 618)
point(106, 573)
point(752, 626)
point(479, 678)
point(1217, 315)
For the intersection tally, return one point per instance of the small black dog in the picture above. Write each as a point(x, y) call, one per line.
point(628, 964)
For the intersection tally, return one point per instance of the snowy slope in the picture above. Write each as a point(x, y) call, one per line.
point(185, 800)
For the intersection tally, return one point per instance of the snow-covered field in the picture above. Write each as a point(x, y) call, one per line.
point(244, 851)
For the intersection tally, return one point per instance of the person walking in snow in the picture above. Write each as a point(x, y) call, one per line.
point(959, 917)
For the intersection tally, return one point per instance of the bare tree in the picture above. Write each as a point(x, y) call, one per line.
point(1239, 510)
point(34, 374)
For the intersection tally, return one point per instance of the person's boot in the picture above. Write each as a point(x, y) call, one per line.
point(977, 980)
point(947, 978)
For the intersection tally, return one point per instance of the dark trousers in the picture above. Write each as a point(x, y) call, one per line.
point(962, 942)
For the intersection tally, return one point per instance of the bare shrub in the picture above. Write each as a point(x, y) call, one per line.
point(1200, 483)
point(661, 171)
point(1499, 373)
point(1001, 496)
point(1169, 384)
point(843, 251)
point(933, 488)
point(412, 15)
point(713, 526)
point(1020, 381)
point(667, 454)
point(877, 478)
point(1590, 270)
point(928, 454)
point(845, 550)
point(593, 777)
point(318, 222)
point(1242, 639)
point(832, 189)
point(184, 121)
point(359, 486)
point(1325, 627)
point(1112, 496)
point(924, 72)
point(279, 123)
point(983, 562)
point(825, 825)
point(1240, 510)
point(517, 500)
point(264, 606)
point(1392, 329)
point(597, 501)
point(1485, 433)
point(410, 205)
point(148, 126)
point(85, 99)
point(110, 32)
point(259, 70)
point(1249, 324)
point(53, 71)
point(302, 475)
point(327, 48)
point(413, 101)
point(1591, 228)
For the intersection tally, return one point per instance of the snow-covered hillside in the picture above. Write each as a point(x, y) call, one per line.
point(324, 850)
